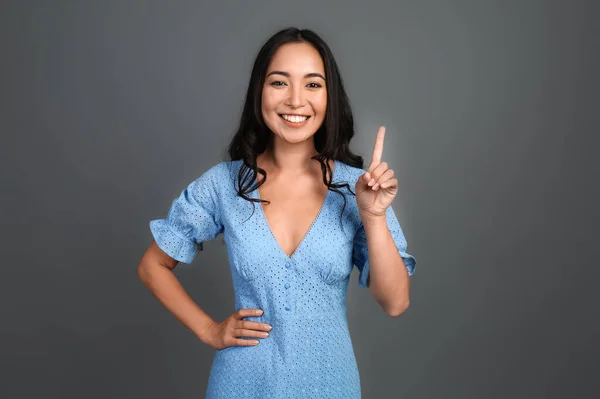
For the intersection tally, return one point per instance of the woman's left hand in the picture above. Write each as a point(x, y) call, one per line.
point(377, 187)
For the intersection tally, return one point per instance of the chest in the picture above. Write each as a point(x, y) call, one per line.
point(292, 210)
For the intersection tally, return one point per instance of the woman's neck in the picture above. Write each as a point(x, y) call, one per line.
point(289, 159)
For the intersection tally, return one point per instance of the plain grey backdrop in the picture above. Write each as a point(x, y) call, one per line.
point(109, 109)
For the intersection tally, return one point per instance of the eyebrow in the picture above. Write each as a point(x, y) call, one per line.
point(308, 75)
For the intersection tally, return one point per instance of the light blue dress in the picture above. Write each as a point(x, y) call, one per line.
point(309, 352)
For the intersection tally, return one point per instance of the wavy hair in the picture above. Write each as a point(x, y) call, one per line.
point(331, 140)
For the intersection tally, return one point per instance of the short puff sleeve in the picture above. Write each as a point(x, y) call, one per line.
point(193, 218)
point(360, 255)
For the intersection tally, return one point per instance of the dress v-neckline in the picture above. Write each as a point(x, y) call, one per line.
point(307, 233)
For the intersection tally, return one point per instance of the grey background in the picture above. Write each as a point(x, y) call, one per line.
point(110, 108)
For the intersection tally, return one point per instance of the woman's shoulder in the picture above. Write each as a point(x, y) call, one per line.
point(229, 170)
point(347, 172)
point(212, 178)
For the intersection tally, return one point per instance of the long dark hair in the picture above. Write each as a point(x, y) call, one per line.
point(332, 140)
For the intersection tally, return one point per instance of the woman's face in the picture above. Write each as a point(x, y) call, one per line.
point(294, 96)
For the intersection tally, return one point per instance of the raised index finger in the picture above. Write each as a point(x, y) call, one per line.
point(377, 149)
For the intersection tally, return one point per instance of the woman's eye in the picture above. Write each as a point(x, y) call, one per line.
point(312, 85)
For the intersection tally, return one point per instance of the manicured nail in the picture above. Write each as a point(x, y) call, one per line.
point(259, 312)
point(375, 187)
point(255, 342)
point(371, 182)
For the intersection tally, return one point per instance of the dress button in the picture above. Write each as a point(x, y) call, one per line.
point(288, 264)
point(287, 308)
point(287, 285)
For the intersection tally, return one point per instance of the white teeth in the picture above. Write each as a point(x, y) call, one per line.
point(295, 118)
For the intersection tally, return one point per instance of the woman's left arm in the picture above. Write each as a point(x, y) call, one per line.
point(389, 282)
point(375, 189)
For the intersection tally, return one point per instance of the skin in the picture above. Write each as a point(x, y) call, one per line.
point(375, 190)
point(295, 84)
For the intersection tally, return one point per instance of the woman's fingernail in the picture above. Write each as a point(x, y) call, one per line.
point(371, 182)
point(259, 312)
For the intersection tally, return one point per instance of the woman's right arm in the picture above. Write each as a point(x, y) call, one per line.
point(155, 272)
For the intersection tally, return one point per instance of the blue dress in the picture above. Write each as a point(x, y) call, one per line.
point(308, 353)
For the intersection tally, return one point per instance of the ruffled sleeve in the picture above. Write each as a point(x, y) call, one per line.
point(193, 218)
point(360, 255)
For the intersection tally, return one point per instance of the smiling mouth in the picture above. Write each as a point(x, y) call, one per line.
point(295, 118)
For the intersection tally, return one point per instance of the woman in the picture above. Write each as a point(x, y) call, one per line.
point(292, 238)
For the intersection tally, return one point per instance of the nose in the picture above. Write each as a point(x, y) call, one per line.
point(296, 97)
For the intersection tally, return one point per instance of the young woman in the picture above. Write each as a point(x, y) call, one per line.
point(294, 228)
